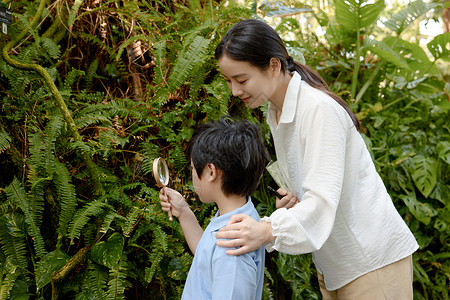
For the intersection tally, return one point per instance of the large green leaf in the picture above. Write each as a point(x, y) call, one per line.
point(356, 14)
point(108, 253)
point(443, 151)
point(414, 54)
point(386, 52)
point(424, 173)
point(440, 46)
point(405, 17)
point(52, 261)
point(422, 211)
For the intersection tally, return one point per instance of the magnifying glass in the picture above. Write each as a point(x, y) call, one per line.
point(161, 175)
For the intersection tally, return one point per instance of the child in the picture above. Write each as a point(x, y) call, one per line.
point(227, 159)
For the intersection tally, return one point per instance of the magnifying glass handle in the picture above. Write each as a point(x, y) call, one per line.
point(170, 211)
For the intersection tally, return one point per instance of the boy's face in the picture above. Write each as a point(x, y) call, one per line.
point(202, 186)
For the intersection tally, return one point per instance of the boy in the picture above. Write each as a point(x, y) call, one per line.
point(227, 159)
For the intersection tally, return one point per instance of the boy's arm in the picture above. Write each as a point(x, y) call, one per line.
point(173, 200)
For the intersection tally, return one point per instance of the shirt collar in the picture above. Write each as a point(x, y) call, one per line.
point(218, 222)
point(289, 103)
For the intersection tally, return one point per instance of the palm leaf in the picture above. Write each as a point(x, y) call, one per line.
point(356, 14)
point(384, 51)
point(405, 17)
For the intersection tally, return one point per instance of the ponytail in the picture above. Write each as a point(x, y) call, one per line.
point(316, 81)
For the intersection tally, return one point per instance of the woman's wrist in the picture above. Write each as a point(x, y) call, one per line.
point(268, 237)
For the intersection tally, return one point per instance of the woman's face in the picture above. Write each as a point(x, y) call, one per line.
point(253, 86)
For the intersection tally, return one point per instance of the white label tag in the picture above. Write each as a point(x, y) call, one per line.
point(5, 28)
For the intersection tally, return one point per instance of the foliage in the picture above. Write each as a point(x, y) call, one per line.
point(137, 77)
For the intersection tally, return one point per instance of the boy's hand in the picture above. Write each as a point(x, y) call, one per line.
point(289, 199)
point(172, 201)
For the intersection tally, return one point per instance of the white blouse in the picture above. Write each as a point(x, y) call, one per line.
point(345, 216)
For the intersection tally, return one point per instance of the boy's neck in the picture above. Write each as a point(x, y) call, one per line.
point(229, 203)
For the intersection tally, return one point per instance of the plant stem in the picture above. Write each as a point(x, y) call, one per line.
point(98, 188)
point(357, 64)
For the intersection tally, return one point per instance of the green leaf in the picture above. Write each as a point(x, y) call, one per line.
point(405, 17)
point(440, 46)
point(443, 151)
point(356, 14)
point(108, 253)
point(422, 211)
point(424, 173)
point(5, 141)
point(386, 52)
point(51, 262)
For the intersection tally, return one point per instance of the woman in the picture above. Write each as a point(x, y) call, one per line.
point(337, 206)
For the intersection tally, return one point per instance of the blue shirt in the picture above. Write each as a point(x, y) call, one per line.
point(217, 275)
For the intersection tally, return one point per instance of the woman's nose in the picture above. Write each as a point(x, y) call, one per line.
point(236, 90)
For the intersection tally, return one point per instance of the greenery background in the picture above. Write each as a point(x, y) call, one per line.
point(92, 91)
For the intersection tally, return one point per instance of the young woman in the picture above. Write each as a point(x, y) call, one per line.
point(337, 206)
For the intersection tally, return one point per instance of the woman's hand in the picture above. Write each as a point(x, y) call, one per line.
point(173, 201)
point(289, 199)
point(245, 233)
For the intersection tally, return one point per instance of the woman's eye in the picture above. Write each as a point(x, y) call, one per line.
point(242, 82)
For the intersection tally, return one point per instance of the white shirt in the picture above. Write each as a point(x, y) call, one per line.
point(345, 216)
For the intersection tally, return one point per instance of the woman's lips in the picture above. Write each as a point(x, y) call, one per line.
point(245, 99)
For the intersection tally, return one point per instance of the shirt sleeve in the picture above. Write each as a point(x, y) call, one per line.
point(234, 277)
point(322, 138)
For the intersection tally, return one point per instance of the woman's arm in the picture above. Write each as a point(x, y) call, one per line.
point(172, 200)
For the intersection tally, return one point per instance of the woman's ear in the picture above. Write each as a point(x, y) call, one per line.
point(275, 66)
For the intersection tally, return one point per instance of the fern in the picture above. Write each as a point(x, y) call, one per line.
point(67, 197)
point(5, 141)
point(13, 241)
point(160, 68)
point(116, 286)
point(50, 47)
point(82, 217)
point(131, 221)
point(155, 259)
point(187, 61)
point(95, 282)
point(159, 238)
point(90, 73)
point(16, 193)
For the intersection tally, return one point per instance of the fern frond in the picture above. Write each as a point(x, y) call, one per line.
point(13, 241)
point(71, 77)
point(159, 238)
point(88, 120)
point(67, 198)
point(16, 193)
point(82, 216)
point(90, 73)
point(108, 219)
point(116, 286)
point(5, 141)
point(50, 47)
point(160, 66)
point(187, 61)
point(131, 221)
point(96, 281)
point(156, 259)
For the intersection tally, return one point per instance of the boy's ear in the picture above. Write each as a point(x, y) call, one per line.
point(212, 172)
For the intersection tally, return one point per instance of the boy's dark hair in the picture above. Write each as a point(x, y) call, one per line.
point(235, 147)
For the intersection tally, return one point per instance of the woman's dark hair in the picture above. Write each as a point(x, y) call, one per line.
point(256, 42)
point(234, 147)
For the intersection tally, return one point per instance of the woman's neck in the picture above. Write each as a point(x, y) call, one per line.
point(278, 99)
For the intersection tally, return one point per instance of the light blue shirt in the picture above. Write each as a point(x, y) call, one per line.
point(217, 275)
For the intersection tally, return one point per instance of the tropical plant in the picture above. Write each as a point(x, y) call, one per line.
point(93, 91)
